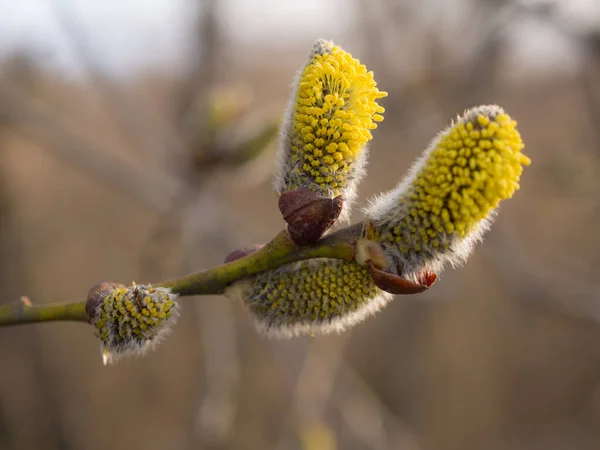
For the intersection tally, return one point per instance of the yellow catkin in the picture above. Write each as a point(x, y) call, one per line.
point(331, 113)
point(320, 295)
point(131, 320)
point(451, 192)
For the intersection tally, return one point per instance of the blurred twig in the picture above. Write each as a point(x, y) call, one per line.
point(526, 278)
point(366, 415)
point(15, 274)
point(131, 121)
point(36, 122)
point(314, 387)
point(217, 405)
point(188, 124)
point(326, 381)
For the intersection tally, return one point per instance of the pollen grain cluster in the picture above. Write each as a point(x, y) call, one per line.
point(132, 319)
point(321, 295)
point(331, 115)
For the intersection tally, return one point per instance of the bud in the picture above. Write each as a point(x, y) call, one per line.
point(448, 199)
point(130, 320)
point(312, 296)
point(327, 125)
point(308, 215)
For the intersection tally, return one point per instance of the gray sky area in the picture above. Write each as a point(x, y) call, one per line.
point(127, 35)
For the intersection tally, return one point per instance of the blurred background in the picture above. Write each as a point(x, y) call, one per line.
point(136, 143)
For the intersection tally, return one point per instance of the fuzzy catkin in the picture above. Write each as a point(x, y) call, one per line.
point(448, 199)
point(327, 125)
point(132, 320)
point(314, 296)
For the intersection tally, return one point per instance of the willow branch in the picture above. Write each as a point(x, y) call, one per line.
point(21, 313)
point(281, 250)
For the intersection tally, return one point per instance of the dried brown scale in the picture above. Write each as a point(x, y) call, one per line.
point(308, 214)
point(395, 284)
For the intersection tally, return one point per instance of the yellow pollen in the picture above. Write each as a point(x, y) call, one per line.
point(335, 107)
point(471, 168)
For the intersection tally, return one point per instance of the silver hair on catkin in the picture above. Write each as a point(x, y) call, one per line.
point(447, 201)
point(318, 296)
point(130, 320)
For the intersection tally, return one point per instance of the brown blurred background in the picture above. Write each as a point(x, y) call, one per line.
point(146, 161)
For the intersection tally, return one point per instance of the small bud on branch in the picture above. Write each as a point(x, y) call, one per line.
point(130, 320)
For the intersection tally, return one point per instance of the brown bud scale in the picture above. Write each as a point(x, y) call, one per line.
point(395, 284)
point(308, 214)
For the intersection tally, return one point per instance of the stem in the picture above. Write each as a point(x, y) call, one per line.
point(281, 250)
point(20, 313)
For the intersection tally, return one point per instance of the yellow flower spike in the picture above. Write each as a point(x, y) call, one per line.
point(122, 320)
point(308, 297)
point(447, 201)
point(326, 125)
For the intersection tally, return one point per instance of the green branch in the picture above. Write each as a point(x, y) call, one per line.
point(21, 313)
point(281, 250)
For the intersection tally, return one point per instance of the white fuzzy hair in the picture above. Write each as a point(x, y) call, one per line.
point(240, 290)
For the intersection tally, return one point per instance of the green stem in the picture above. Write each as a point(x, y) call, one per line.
point(20, 313)
point(281, 250)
